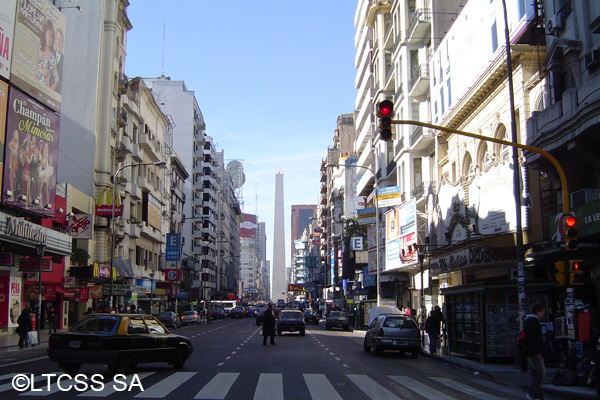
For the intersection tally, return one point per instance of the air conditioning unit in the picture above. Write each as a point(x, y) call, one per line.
point(553, 24)
point(584, 196)
point(592, 59)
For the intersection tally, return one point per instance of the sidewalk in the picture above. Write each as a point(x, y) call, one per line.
point(509, 375)
point(10, 341)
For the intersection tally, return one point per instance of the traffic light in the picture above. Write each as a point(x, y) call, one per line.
point(576, 270)
point(385, 111)
point(561, 273)
point(570, 230)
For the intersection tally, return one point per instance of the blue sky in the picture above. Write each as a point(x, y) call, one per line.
point(270, 77)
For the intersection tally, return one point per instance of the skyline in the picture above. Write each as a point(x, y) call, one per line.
point(270, 88)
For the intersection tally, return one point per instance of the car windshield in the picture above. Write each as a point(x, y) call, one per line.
point(338, 314)
point(400, 322)
point(97, 324)
point(291, 315)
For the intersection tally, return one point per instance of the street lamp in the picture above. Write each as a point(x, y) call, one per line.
point(113, 180)
point(376, 222)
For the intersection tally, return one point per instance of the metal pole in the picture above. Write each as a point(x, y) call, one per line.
point(41, 248)
point(375, 186)
point(421, 323)
point(151, 292)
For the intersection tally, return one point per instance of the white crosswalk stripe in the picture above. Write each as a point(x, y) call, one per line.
point(424, 390)
point(371, 388)
point(166, 386)
point(218, 387)
point(320, 388)
point(268, 386)
point(480, 394)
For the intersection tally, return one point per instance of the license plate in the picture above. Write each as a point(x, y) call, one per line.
point(75, 344)
point(399, 343)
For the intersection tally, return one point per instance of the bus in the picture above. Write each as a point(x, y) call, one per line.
point(226, 305)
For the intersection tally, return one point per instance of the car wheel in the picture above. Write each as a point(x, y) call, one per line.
point(366, 347)
point(70, 368)
point(376, 349)
point(179, 359)
point(414, 353)
point(302, 332)
point(123, 366)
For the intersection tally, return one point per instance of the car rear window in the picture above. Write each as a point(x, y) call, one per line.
point(188, 313)
point(166, 315)
point(291, 315)
point(400, 322)
point(98, 324)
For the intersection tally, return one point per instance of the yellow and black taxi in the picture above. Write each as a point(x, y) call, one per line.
point(120, 341)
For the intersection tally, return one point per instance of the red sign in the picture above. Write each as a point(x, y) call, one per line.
point(172, 275)
point(34, 265)
point(84, 294)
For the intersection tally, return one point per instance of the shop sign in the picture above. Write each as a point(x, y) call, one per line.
point(172, 275)
point(24, 230)
point(117, 289)
point(104, 205)
point(6, 258)
point(34, 265)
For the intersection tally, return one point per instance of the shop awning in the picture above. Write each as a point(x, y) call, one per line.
point(67, 295)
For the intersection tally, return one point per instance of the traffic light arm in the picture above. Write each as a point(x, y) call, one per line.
point(544, 153)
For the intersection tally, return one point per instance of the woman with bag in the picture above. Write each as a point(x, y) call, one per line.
point(24, 327)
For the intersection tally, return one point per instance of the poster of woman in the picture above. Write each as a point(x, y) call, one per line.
point(38, 46)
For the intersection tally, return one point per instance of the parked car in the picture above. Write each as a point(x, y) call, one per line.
point(238, 312)
point(337, 319)
point(169, 319)
point(219, 313)
point(291, 321)
point(393, 332)
point(190, 318)
point(311, 317)
point(120, 341)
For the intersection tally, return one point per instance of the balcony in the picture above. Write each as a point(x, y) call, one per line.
point(149, 232)
point(142, 183)
point(134, 230)
point(421, 138)
point(419, 80)
point(419, 26)
point(122, 118)
point(423, 189)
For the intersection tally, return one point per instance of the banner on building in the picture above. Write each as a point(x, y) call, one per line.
point(37, 53)
point(248, 227)
point(173, 247)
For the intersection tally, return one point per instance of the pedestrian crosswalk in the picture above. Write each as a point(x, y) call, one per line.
point(263, 386)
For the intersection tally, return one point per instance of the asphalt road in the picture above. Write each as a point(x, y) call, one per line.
point(230, 362)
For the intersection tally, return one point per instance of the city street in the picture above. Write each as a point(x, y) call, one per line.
point(230, 362)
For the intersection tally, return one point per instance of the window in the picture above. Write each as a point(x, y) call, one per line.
point(137, 326)
point(494, 37)
point(155, 327)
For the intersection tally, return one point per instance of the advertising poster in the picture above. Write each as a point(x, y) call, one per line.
point(31, 152)
point(154, 212)
point(37, 53)
point(248, 227)
point(3, 107)
point(80, 226)
point(7, 28)
point(14, 301)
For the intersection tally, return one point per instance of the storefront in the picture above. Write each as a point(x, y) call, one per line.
point(19, 265)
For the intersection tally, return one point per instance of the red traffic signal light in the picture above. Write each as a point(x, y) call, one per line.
point(385, 110)
point(576, 270)
point(570, 232)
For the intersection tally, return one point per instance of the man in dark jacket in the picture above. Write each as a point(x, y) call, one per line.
point(432, 327)
point(25, 326)
point(269, 323)
point(535, 360)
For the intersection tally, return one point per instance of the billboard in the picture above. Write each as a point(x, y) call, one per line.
point(3, 109)
point(7, 29)
point(248, 227)
point(37, 53)
point(154, 212)
point(31, 152)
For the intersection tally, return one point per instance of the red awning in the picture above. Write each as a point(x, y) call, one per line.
point(68, 295)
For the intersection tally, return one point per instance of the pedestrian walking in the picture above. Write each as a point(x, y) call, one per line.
point(432, 327)
point(269, 323)
point(51, 320)
point(535, 359)
point(24, 326)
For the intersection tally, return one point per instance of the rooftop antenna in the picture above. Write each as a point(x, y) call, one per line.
point(163, 48)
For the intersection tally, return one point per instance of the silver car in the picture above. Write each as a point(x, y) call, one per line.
point(393, 332)
point(190, 318)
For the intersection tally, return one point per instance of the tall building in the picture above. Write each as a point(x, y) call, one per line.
point(301, 219)
point(264, 278)
point(279, 275)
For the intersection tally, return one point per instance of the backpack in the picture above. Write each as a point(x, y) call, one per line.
point(522, 342)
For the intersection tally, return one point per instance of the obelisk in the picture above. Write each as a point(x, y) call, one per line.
point(278, 276)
